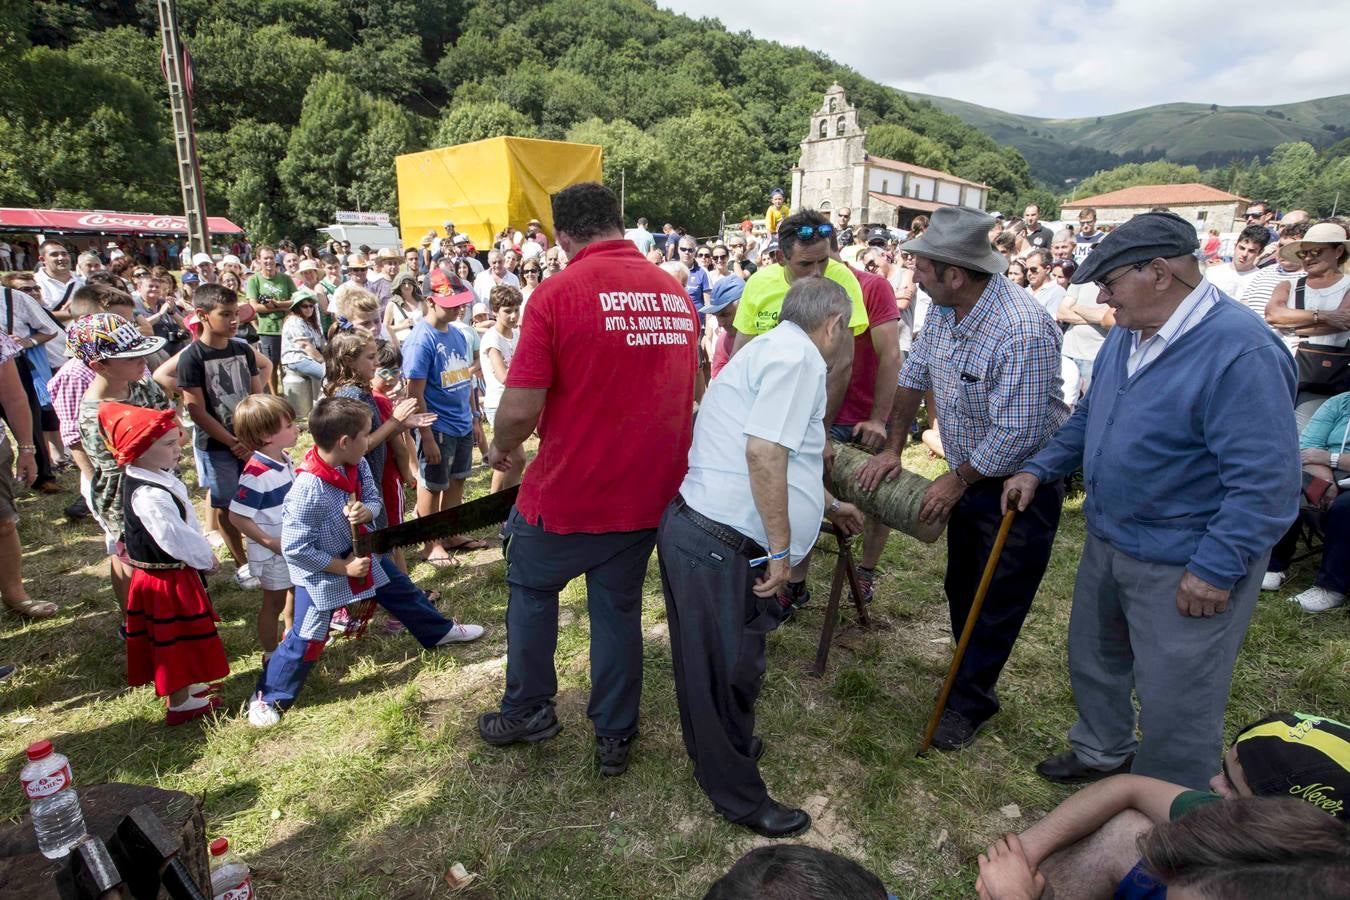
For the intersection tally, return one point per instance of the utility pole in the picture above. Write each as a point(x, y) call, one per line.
point(623, 185)
point(177, 68)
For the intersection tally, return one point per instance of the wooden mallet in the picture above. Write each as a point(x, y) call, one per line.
point(971, 617)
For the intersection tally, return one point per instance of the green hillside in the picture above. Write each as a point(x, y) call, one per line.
point(301, 105)
point(1181, 132)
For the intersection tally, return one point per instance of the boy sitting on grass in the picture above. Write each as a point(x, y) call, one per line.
point(267, 422)
point(316, 540)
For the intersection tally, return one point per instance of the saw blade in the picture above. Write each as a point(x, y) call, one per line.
point(467, 517)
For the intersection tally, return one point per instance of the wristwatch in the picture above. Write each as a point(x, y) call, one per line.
point(1335, 460)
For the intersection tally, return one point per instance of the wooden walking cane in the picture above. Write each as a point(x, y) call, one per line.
point(971, 617)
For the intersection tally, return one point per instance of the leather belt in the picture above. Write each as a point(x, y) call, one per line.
point(155, 567)
point(727, 535)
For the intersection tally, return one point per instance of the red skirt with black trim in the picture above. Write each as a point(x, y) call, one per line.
point(171, 631)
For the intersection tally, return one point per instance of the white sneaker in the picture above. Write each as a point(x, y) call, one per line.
point(262, 714)
point(1318, 599)
point(245, 580)
point(1273, 580)
point(461, 634)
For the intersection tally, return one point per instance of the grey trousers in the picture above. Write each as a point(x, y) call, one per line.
point(1125, 634)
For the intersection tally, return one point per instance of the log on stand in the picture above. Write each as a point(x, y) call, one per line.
point(25, 873)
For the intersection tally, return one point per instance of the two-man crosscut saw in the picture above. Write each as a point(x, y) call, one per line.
point(467, 517)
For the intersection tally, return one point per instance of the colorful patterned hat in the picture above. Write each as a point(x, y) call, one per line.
point(108, 336)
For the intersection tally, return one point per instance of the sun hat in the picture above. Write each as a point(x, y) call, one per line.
point(229, 259)
point(1321, 233)
point(726, 292)
point(307, 265)
point(1145, 237)
point(202, 259)
point(106, 335)
point(357, 261)
point(391, 254)
point(304, 295)
point(959, 236)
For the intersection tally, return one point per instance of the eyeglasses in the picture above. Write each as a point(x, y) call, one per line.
point(388, 374)
point(870, 267)
point(811, 232)
point(686, 249)
point(1252, 215)
point(720, 256)
point(1035, 270)
point(531, 271)
point(702, 255)
point(1105, 286)
point(1313, 252)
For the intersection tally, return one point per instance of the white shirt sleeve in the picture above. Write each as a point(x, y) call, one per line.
point(785, 387)
point(183, 541)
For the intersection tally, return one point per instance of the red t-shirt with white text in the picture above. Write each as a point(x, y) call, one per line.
point(614, 340)
point(879, 298)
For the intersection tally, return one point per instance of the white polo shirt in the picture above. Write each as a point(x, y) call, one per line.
point(773, 389)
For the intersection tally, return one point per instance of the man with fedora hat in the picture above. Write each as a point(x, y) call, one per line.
point(1190, 460)
point(990, 354)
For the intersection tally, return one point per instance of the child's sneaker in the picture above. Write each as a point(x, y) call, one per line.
point(190, 709)
point(245, 580)
point(460, 634)
point(262, 714)
point(340, 622)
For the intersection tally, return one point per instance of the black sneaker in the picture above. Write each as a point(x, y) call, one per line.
point(499, 729)
point(955, 731)
point(78, 510)
point(611, 754)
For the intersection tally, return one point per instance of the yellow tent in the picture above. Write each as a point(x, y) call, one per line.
point(487, 185)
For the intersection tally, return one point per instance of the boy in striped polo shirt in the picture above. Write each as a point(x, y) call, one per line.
point(266, 422)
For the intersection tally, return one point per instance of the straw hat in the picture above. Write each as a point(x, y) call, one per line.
point(1321, 233)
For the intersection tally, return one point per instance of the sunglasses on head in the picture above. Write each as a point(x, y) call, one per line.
point(811, 232)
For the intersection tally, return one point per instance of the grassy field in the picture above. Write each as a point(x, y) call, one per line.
point(377, 782)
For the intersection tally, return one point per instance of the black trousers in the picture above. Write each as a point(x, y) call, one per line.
point(717, 636)
point(970, 538)
point(42, 458)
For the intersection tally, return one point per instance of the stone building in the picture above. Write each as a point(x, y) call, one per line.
point(1200, 204)
point(835, 171)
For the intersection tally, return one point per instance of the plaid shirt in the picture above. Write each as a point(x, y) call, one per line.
point(315, 531)
point(996, 378)
point(67, 389)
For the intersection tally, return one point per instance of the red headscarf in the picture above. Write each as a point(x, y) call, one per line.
point(130, 430)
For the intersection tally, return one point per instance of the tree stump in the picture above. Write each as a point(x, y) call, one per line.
point(894, 503)
point(25, 874)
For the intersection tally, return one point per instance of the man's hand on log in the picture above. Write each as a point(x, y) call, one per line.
point(1025, 484)
point(847, 518)
point(500, 459)
point(941, 498)
point(882, 467)
point(871, 434)
point(774, 578)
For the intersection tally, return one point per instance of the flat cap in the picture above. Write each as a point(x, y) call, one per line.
point(1147, 236)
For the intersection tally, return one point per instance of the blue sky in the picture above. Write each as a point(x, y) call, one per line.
point(1068, 58)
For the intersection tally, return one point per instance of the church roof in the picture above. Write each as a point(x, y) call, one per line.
point(1158, 195)
point(896, 166)
point(900, 202)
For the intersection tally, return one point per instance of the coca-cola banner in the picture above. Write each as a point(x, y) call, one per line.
point(71, 220)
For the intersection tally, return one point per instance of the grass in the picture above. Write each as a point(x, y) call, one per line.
point(376, 783)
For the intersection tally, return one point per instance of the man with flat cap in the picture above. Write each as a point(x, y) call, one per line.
point(1190, 459)
point(990, 354)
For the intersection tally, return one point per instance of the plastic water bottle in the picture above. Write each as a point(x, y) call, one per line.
point(230, 877)
point(55, 808)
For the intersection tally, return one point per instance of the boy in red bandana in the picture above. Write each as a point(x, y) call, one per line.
point(316, 540)
point(170, 622)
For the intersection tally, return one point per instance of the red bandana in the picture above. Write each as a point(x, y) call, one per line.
point(348, 480)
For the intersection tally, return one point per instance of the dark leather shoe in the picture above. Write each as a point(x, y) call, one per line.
point(955, 731)
point(774, 820)
point(1066, 768)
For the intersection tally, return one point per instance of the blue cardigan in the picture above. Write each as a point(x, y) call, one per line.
point(1194, 461)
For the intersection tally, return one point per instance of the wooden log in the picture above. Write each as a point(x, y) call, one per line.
point(25, 874)
point(894, 503)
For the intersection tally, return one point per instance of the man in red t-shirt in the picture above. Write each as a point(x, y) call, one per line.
point(604, 369)
point(867, 402)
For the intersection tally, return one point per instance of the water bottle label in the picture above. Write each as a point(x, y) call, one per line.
point(47, 785)
point(244, 891)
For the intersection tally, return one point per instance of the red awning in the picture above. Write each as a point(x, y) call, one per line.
point(104, 222)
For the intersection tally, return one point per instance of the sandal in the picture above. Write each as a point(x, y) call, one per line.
point(467, 543)
point(440, 562)
point(28, 608)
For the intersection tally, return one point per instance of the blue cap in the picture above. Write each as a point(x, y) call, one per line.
point(190, 278)
point(779, 191)
point(726, 292)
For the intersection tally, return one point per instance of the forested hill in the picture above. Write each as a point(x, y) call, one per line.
point(301, 105)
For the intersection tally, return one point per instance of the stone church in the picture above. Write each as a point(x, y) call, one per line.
point(835, 171)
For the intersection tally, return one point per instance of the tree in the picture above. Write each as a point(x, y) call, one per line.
point(898, 142)
point(1294, 168)
point(466, 122)
point(1131, 174)
point(641, 159)
point(389, 132)
point(317, 173)
point(713, 163)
